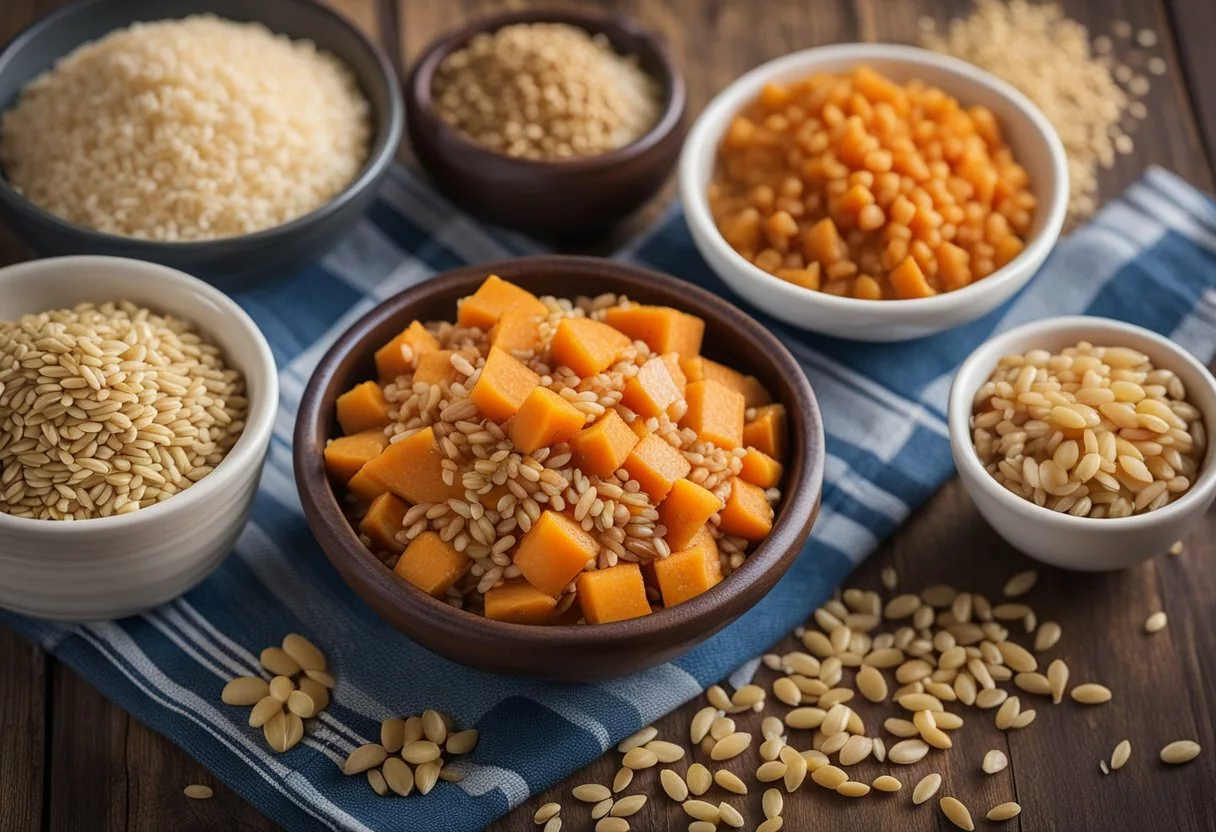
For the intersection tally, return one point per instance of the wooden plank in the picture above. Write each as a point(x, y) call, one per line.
point(1193, 23)
point(87, 780)
point(23, 695)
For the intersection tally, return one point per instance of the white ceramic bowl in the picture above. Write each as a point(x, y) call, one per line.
point(1035, 145)
point(1083, 543)
point(117, 566)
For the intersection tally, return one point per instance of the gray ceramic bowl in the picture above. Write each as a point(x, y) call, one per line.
point(273, 251)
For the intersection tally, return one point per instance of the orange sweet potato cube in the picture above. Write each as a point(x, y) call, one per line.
point(689, 572)
point(504, 384)
point(543, 420)
point(699, 368)
point(431, 564)
point(909, 282)
point(587, 347)
point(715, 412)
point(390, 359)
point(613, 594)
point(685, 510)
point(553, 551)
point(638, 426)
point(656, 465)
point(412, 468)
point(361, 408)
point(365, 486)
point(345, 455)
point(517, 329)
point(495, 296)
point(768, 432)
point(662, 328)
point(747, 513)
point(652, 391)
point(760, 469)
point(601, 448)
point(383, 521)
point(435, 366)
point(671, 360)
point(518, 602)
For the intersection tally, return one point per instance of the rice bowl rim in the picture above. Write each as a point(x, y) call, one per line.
point(263, 399)
point(387, 128)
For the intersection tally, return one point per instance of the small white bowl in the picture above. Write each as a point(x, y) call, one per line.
point(111, 567)
point(1033, 140)
point(1082, 543)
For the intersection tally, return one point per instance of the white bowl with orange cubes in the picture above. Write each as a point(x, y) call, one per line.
point(484, 459)
point(874, 192)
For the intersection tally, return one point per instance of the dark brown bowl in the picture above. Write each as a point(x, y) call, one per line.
point(560, 198)
point(580, 652)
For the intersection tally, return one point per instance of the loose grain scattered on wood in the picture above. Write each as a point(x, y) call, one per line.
point(1091, 693)
point(1004, 811)
point(673, 784)
point(1155, 622)
point(1121, 754)
point(1180, 751)
point(926, 788)
point(196, 791)
point(957, 813)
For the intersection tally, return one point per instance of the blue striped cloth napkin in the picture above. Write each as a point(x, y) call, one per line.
point(1148, 257)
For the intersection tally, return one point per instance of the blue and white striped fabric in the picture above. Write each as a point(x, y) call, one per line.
point(1149, 257)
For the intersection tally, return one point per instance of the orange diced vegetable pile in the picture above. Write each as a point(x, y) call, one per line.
point(856, 185)
point(547, 462)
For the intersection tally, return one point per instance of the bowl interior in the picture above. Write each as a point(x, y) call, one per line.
point(1055, 334)
point(730, 337)
point(37, 49)
point(625, 37)
point(56, 283)
point(1032, 139)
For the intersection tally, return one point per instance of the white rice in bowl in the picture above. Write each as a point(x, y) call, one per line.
point(184, 130)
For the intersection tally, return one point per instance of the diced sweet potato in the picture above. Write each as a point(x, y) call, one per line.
point(553, 551)
point(544, 419)
point(361, 408)
point(613, 594)
point(699, 368)
point(435, 366)
point(587, 347)
point(821, 243)
point(662, 328)
point(383, 521)
point(715, 412)
point(768, 432)
point(413, 470)
point(345, 455)
point(518, 602)
point(517, 329)
point(685, 510)
point(504, 384)
point(638, 426)
point(747, 513)
point(760, 469)
point(908, 281)
point(431, 564)
point(689, 572)
point(652, 391)
point(495, 296)
point(365, 486)
point(671, 360)
point(601, 448)
point(390, 359)
point(656, 465)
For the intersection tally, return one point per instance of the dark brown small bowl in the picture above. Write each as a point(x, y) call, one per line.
point(558, 198)
point(580, 652)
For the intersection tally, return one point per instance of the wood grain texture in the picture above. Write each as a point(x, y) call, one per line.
point(83, 764)
point(23, 697)
point(1193, 26)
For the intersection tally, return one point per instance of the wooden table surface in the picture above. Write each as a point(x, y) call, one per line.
point(70, 760)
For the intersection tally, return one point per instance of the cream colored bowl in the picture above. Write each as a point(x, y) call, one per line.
point(1035, 145)
point(1084, 543)
point(117, 566)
